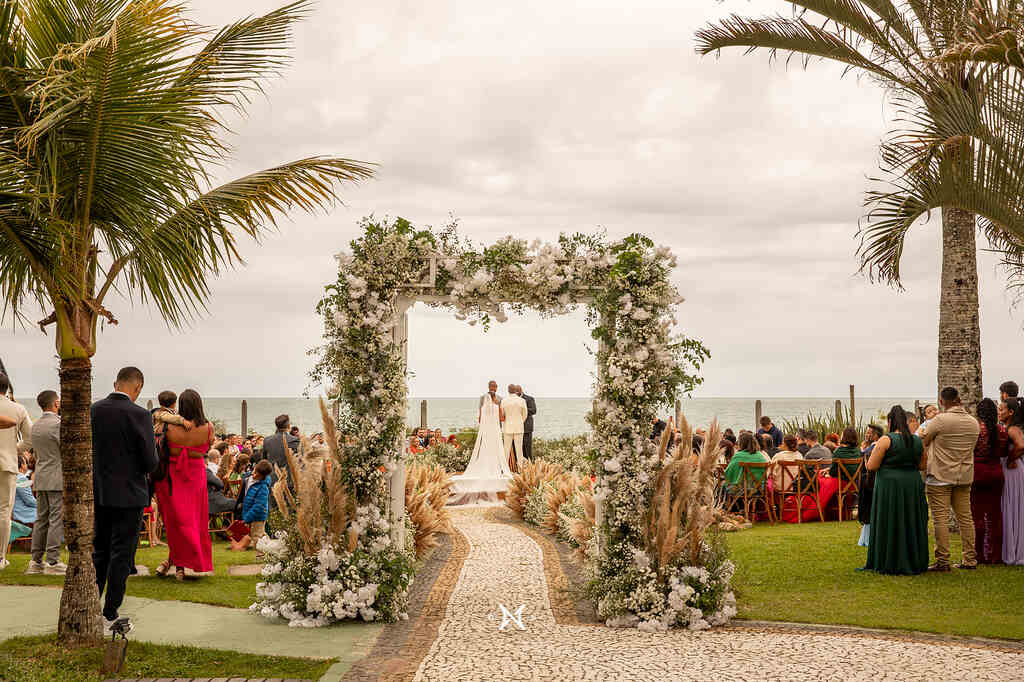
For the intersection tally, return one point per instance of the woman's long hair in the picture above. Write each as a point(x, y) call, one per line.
point(1016, 408)
point(898, 424)
point(987, 416)
point(849, 437)
point(748, 442)
point(190, 406)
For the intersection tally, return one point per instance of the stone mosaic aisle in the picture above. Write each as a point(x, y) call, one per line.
point(505, 566)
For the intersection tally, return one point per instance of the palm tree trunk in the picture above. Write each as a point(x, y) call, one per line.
point(79, 623)
point(959, 363)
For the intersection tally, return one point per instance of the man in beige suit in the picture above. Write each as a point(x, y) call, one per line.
point(514, 409)
point(9, 438)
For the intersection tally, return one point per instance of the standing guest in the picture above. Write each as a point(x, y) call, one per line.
point(950, 437)
point(257, 449)
point(871, 436)
point(1012, 410)
point(295, 432)
point(1008, 389)
point(531, 409)
point(123, 455)
point(657, 428)
point(782, 479)
point(898, 542)
point(748, 452)
point(815, 450)
point(48, 532)
point(182, 495)
point(867, 483)
point(274, 446)
point(770, 429)
point(14, 422)
point(987, 489)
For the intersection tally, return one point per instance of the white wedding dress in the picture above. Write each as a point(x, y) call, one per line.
point(487, 472)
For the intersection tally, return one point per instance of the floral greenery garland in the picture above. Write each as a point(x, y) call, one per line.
point(642, 364)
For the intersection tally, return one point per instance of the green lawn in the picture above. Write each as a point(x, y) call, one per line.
point(805, 573)
point(219, 589)
point(39, 659)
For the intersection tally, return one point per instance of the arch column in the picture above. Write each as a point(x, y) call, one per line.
point(396, 482)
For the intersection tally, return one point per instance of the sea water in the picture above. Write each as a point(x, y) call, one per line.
point(555, 417)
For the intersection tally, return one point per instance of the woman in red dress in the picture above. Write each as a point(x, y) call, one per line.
point(181, 494)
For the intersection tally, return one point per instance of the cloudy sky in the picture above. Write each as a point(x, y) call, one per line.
point(536, 117)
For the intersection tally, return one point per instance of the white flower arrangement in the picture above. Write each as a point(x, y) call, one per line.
point(642, 365)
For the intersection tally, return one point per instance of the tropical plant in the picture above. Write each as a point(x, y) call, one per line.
point(112, 120)
point(825, 423)
point(944, 154)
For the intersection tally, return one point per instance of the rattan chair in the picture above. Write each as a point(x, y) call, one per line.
point(752, 490)
point(848, 472)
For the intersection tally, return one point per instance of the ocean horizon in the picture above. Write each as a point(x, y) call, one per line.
point(556, 417)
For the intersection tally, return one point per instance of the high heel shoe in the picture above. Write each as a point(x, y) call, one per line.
point(161, 570)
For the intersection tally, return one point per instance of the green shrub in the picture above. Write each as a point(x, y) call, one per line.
point(570, 509)
point(536, 508)
point(446, 456)
point(570, 453)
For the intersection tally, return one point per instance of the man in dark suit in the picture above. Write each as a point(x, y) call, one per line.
point(123, 454)
point(273, 446)
point(531, 409)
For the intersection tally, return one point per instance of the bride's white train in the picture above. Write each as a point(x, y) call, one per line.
point(488, 471)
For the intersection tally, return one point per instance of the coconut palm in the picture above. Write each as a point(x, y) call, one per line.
point(900, 44)
point(111, 118)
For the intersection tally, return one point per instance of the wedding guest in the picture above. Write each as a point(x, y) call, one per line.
point(164, 414)
point(987, 489)
point(871, 436)
point(25, 505)
point(216, 501)
point(950, 437)
point(831, 442)
point(867, 483)
point(898, 527)
point(930, 411)
point(10, 411)
point(801, 441)
point(815, 450)
point(768, 445)
point(240, 469)
point(846, 450)
point(48, 481)
point(782, 478)
point(453, 440)
point(531, 410)
point(415, 446)
point(770, 429)
point(216, 455)
point(1012, 410)
point(294, 431)
point(256, 504)
point(1008, 389)
point(274, 446)
point(748, 452)
point(182, 493)
point(123, 454)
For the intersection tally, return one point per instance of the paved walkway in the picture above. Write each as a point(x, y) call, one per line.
point(505, 566)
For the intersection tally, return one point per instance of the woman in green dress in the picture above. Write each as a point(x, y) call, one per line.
point(899, 511)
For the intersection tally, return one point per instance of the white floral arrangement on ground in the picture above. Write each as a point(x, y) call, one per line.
point(643, 364)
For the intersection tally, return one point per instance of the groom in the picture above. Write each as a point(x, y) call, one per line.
point(516, 412)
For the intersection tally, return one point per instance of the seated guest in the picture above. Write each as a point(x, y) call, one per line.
point(782, 478)
point(748, 452)
point(241, 467)
point(768, 445)
point(217, 501)
point(898, 542)
point(815, 450)
point(847, 449)
point(215, 454)
point(452, 440)
point(438, 435)
point(832, 441)
point(772, 430)
point(24, 499)
point(987, 488)
point(801, 441)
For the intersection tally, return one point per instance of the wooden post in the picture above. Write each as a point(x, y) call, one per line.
point(757, 415)
point(917, 409)
point(245, 419)
point(423, 414)
point(839, 410)
point(679, 413)
point(853, 408)
point(149, 405)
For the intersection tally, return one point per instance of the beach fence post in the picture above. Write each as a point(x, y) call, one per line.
point(245, 419)
point(839, 410)
point(149, 405)
point(423, 414)
point(917, 409)
point(757, 415)
point(679, 413)
point(853, 408)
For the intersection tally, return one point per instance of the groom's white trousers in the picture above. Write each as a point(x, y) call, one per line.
point(516, 438)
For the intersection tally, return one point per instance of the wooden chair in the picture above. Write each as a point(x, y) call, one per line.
point(848, 472)
point(804, 476)
point(231, 487)
point(219, 523)
point(753, 490)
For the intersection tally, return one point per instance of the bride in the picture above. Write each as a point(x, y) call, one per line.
point(487, 472)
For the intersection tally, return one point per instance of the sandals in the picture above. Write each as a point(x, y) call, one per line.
point(161, 570)
point(179, 574)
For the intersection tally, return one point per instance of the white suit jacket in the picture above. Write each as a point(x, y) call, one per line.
point(515, 413)
point(9, 437)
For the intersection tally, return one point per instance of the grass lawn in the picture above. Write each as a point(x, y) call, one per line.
point(219, 589)
point(805, 573)
point(35, 659)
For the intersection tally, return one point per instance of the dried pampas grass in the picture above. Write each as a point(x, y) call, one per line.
point(531, 475)
point(427, 489)
point(582, 530)
point(561, 490)
point(340, 502)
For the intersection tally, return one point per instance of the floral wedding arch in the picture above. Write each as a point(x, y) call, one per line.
point(642, 364)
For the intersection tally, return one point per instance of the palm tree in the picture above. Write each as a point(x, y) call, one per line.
point(900, 46)
point(110, 120)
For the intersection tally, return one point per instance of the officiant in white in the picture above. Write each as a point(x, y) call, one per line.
point(488, 472)
point(515, 413)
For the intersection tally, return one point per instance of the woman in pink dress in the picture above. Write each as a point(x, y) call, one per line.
point(181, 494)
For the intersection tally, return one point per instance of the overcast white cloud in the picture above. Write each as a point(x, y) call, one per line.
point(539, 117)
